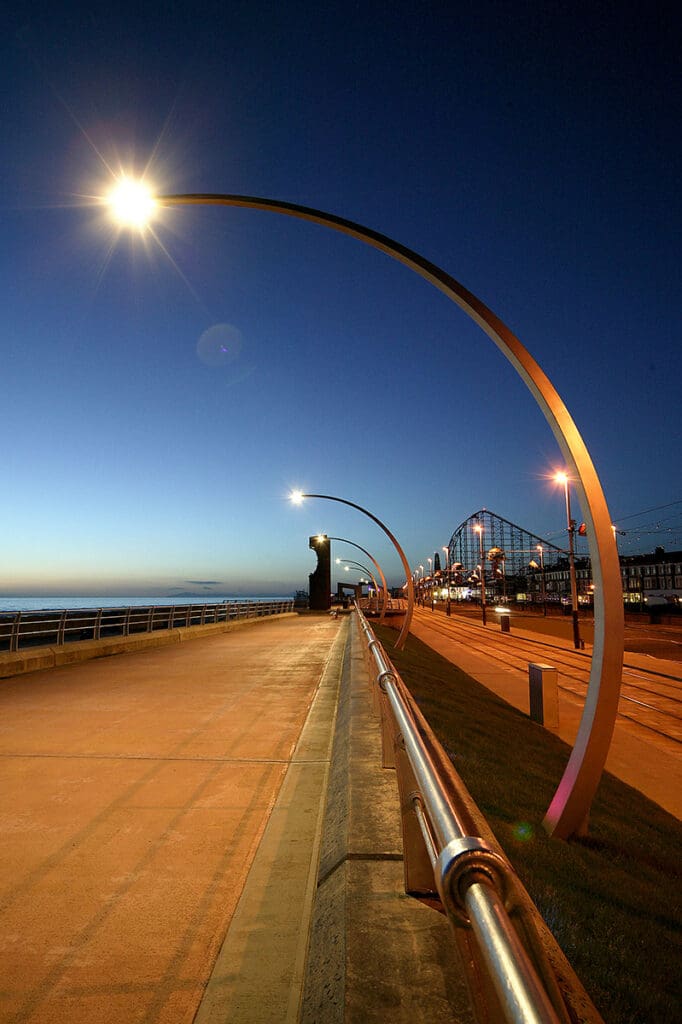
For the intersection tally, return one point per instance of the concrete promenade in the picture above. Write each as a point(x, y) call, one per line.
point(135, 792)
point(202, 832)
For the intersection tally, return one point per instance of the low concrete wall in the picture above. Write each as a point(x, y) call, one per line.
point(374, 954)
point(14, 663)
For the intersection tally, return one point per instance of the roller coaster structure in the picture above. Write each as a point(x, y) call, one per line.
point(514, 557)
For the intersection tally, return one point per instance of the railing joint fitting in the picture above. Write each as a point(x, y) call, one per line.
point(384, 678)
point(462, 863)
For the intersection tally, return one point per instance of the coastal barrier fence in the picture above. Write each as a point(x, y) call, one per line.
point(60, 626)
point(496, 926)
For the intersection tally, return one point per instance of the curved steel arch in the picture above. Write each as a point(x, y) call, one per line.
point(342, 540)
point(569, 809)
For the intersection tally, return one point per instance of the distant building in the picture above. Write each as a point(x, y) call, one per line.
point(558, 581)
point(652, 579)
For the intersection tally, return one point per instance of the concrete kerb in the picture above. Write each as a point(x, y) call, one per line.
point(375, 954)
point(13, 663)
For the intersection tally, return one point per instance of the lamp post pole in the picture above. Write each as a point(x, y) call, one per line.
point(384, 602)
point(479, 531)
point(298, 496)
point(542, 578)
point(358, 565)
point(569, 809)
point(562, 478)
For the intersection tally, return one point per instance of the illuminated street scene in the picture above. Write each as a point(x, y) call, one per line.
point(341, 584)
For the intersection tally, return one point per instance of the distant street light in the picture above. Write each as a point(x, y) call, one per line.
point(447, 578)
point(358, 565)
point(562, 478)
point(542, 578)
point(569, 809)
point(298, 496)
point(384, 601)
point(479, 530)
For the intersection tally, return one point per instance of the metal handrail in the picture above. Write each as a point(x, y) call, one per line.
point(474, 881)
point(61, 626)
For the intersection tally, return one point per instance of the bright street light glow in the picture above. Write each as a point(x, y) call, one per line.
point(296, 497)
point(561, 478)
point(132, 203)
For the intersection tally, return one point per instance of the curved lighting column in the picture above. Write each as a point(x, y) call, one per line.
point(384, 603)
point(358, 565)
point(350, 564)
point(570, 806)
point(402, 636)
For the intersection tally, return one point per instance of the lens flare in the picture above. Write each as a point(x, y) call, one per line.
point(523, 831)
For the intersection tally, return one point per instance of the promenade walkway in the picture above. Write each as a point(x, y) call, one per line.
point(135, 792)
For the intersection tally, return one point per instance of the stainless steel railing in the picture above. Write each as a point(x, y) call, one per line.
point(39, 628)
point(445, 854)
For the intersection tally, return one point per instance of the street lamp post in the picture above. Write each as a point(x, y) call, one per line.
point(362, 579)
point(358, 565)
point(479, 530)
point(569, 809)
point(448, 609)
point(542, 579)
point(562, 478)
point(384, 602)
point(298, 496)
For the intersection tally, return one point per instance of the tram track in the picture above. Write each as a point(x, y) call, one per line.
point(661, 713)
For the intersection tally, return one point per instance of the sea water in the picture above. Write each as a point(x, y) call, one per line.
point(37, 603)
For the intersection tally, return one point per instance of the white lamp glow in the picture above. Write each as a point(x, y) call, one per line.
point(132, 203)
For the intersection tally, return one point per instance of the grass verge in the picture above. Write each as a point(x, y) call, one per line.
point(612, 900)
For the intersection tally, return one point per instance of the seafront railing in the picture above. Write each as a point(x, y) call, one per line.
point(496, 926)
point(22, 629)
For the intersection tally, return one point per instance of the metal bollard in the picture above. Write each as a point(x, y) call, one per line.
point(544, 694)
point(504, 623)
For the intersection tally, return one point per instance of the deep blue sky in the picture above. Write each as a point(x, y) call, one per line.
point(533, 152)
